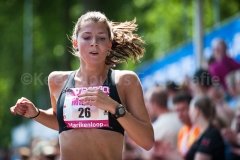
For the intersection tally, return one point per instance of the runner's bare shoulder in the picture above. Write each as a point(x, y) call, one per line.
point(126, 78)
point(58, 78)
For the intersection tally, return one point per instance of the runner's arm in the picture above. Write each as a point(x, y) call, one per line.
point(136, 121)
point(48, 117)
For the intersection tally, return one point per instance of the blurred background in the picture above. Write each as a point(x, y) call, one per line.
point(35, 41)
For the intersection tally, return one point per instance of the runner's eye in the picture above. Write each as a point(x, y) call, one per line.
point(86, 38)
point(102, 38)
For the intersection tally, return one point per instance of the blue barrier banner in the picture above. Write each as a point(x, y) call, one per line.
point(182, 62)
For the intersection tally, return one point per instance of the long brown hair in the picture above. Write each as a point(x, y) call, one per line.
point(205, 105)
point(125, 43)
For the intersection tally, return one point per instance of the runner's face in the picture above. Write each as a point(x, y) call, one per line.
point(93, 42)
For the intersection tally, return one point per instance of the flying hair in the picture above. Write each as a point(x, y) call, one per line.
point(125, 43)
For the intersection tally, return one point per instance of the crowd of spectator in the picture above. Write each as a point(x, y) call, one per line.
point(198, 119)
point(39, 149)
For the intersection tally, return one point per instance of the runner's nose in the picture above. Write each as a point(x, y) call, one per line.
point(94, 42)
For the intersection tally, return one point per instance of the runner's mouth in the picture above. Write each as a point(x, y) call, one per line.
point(94, 53)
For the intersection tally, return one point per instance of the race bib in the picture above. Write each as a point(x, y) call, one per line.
point(76, 115)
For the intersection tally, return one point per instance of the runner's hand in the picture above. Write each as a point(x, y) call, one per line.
point(98, 98)
point(25, 108)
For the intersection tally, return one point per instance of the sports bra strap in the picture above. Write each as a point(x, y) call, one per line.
point(112, 76)
point(70, 82)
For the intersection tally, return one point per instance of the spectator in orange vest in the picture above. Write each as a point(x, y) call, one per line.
point(188, 133)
